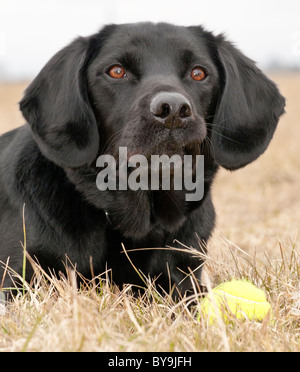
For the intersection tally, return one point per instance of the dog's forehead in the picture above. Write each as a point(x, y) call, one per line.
point(145, 38)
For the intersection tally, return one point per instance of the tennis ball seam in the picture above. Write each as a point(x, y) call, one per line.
point(226, 294)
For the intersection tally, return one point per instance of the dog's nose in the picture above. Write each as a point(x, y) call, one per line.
point(170, 109)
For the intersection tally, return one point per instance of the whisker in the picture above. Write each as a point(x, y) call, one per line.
point(208, 142)
point(222, 126)
point(222, 135)
point(112, 140)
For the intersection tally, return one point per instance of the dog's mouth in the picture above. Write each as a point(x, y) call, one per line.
point(147, 143)
point(182, 142)
point(170, 149)
point(167, 152)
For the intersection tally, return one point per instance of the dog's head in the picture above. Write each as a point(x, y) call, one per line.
point(156, 89)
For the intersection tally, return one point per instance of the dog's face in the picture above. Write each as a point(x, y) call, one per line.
point(152, 87)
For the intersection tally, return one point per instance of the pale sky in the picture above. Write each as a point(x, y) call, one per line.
point(31, 31)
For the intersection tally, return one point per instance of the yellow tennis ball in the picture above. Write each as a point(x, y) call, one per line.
point(236, 299)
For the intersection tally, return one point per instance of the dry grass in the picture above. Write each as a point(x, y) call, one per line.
point(256, 237)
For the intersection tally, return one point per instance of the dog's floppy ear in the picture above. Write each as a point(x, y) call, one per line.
point(248, 110)
point(57, 107)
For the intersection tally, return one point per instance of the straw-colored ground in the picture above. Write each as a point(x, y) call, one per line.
point(256, 237)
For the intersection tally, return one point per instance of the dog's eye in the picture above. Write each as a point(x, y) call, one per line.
point(117, 72)
point(198, 74)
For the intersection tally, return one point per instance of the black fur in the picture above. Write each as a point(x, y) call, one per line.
point(75, 112)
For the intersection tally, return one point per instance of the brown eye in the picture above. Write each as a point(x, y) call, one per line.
point(198, 74)
point(117, 72)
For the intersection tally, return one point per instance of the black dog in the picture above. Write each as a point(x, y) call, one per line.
point(155, 89)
